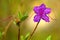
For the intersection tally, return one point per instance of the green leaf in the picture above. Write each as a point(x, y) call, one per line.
point(22, 38)
point(0, 34)
point(20, 15)
point(49, 37)
point(27, 35)
point(24, 17)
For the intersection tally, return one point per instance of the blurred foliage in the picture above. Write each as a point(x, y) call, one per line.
point(0, 34)
point(49, 37)
point(26, 36)
point(10, 7)
point(22, 37)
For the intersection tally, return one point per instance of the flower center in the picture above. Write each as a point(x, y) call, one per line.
point(41, 12)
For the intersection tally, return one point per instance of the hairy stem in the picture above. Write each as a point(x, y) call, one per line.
point(33, 31)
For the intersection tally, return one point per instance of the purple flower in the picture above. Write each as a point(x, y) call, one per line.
point(41, 13)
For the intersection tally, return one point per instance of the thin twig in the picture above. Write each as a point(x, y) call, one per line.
point(6, 19)
point(5, 31)
point(6, 28)
point(33, 31)
point(8, 25)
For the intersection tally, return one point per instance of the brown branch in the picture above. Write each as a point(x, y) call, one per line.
point(6, 19)
point(7, 27)
point(5, 31)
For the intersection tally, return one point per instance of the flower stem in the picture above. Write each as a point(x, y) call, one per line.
point(33, 31)
point(18, 23)
point(18, 33)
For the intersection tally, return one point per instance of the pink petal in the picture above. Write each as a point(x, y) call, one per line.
point(37, 18)
point(36, 9)
point(42, 6)
point(46, 18)
point(47, 10)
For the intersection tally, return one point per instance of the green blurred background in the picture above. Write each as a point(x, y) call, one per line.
point(10, 7)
